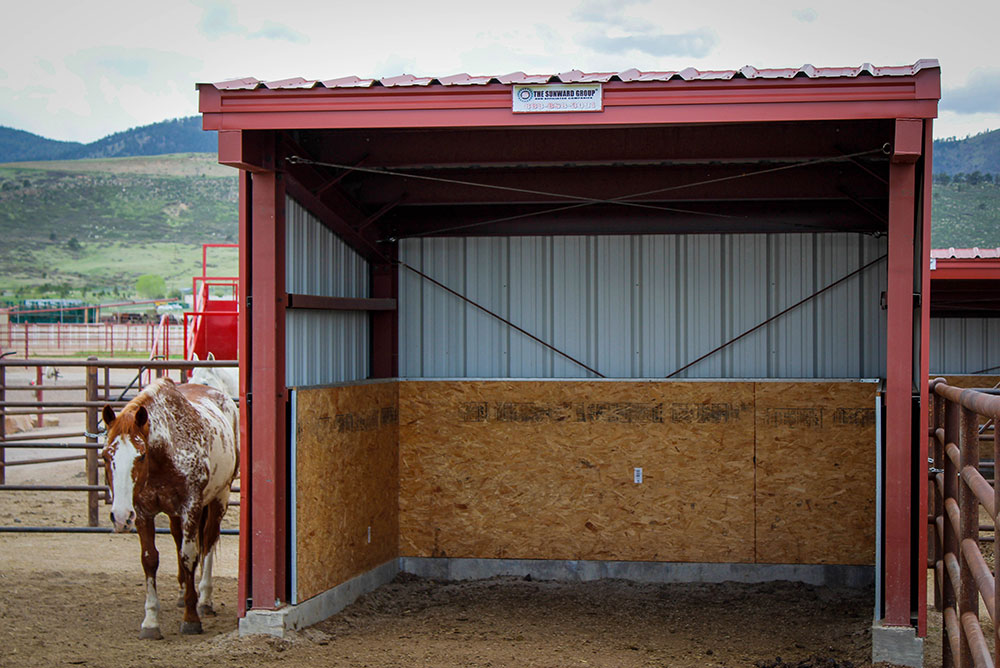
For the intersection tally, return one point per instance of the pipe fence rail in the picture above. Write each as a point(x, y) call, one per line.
point(96, 394)
point(961, 573)
point(100, 338)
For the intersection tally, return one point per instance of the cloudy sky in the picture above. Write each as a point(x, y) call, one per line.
point(77, 71)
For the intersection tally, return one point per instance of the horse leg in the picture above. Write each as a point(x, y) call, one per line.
point(178, 534)
point(188, 558)
point(150, 628)
point(211, 519)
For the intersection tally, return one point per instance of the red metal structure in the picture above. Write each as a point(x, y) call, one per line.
point(804, 150)
point(212, 326)
point(964, 282)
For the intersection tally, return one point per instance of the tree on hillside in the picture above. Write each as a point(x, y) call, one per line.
point(151, 286)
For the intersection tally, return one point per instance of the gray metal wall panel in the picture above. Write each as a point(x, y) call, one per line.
point(964, 345)
point(643, 306)
point(323, 346)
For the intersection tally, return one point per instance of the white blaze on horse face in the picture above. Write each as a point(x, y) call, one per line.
point(122, 462)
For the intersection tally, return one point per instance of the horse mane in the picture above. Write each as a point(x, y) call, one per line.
point(125, 419)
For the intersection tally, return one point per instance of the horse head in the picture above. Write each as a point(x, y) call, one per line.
point(125, 465)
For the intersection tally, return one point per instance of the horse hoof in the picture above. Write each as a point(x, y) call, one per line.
point(180, 601)
point(150, 633)
point(190, 628)
point(206, 611)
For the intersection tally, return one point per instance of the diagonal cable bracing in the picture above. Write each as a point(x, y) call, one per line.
point(622, 200)
point(778, 315)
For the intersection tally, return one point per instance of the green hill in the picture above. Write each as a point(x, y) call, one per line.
point(179, 135)
point(97, 225)
point(20, 145)
point(90, 228)
point(966, 214)
point(980, 153)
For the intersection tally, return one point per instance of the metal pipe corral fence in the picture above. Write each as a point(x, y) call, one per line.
point(958, 489)
point(96, 395)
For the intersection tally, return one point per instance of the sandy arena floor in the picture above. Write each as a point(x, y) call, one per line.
point(69, 599)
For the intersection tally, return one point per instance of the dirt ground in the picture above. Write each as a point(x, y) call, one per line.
point(70, 599)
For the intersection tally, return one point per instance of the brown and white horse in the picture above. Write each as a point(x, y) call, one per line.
point(174, 449)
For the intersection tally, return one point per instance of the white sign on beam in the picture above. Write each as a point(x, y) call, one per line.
point(556, 98)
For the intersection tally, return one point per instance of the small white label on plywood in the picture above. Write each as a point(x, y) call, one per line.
point(637, 475)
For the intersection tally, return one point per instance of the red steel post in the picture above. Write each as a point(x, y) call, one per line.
point(244, 353)
point(899, 391)
point(385, 324)
point(268, 387)
point(922, 332)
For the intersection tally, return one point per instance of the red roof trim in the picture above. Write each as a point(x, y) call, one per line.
point(965, 264)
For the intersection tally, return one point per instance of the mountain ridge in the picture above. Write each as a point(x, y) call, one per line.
point(177, 135)
point(976, 153)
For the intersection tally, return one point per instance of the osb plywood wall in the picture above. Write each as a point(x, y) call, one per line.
point(347, 481)
point(545, 470)
point(816, 473)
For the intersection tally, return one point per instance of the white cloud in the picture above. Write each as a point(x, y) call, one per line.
point(979, 94)
point(806, 15)
point(81, 70)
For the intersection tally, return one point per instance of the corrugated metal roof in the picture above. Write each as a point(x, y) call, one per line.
point(966, 253)
point(576, 76)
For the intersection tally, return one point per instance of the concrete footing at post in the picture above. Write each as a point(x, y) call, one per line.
point(294, 617)
point(898, 645)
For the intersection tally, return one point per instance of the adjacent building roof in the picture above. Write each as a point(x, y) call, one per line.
point(965, 282)
point(966, 253)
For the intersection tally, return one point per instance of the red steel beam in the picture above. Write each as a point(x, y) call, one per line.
point(268, 401)
point(667, 182)
point(733, 143)
point(624, 103)
point(339, 303)
point(899, 390)
point(971, 270)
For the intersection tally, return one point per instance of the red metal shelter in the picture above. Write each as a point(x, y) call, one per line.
point(828, 150)
point(964, 282)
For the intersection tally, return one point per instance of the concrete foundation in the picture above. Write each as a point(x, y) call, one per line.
point(316, 609)
point(898, 645)
point(638, 571)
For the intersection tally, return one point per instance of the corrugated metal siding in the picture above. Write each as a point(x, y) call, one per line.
point(964, 345)
point(323, 346)
point(643, 306)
